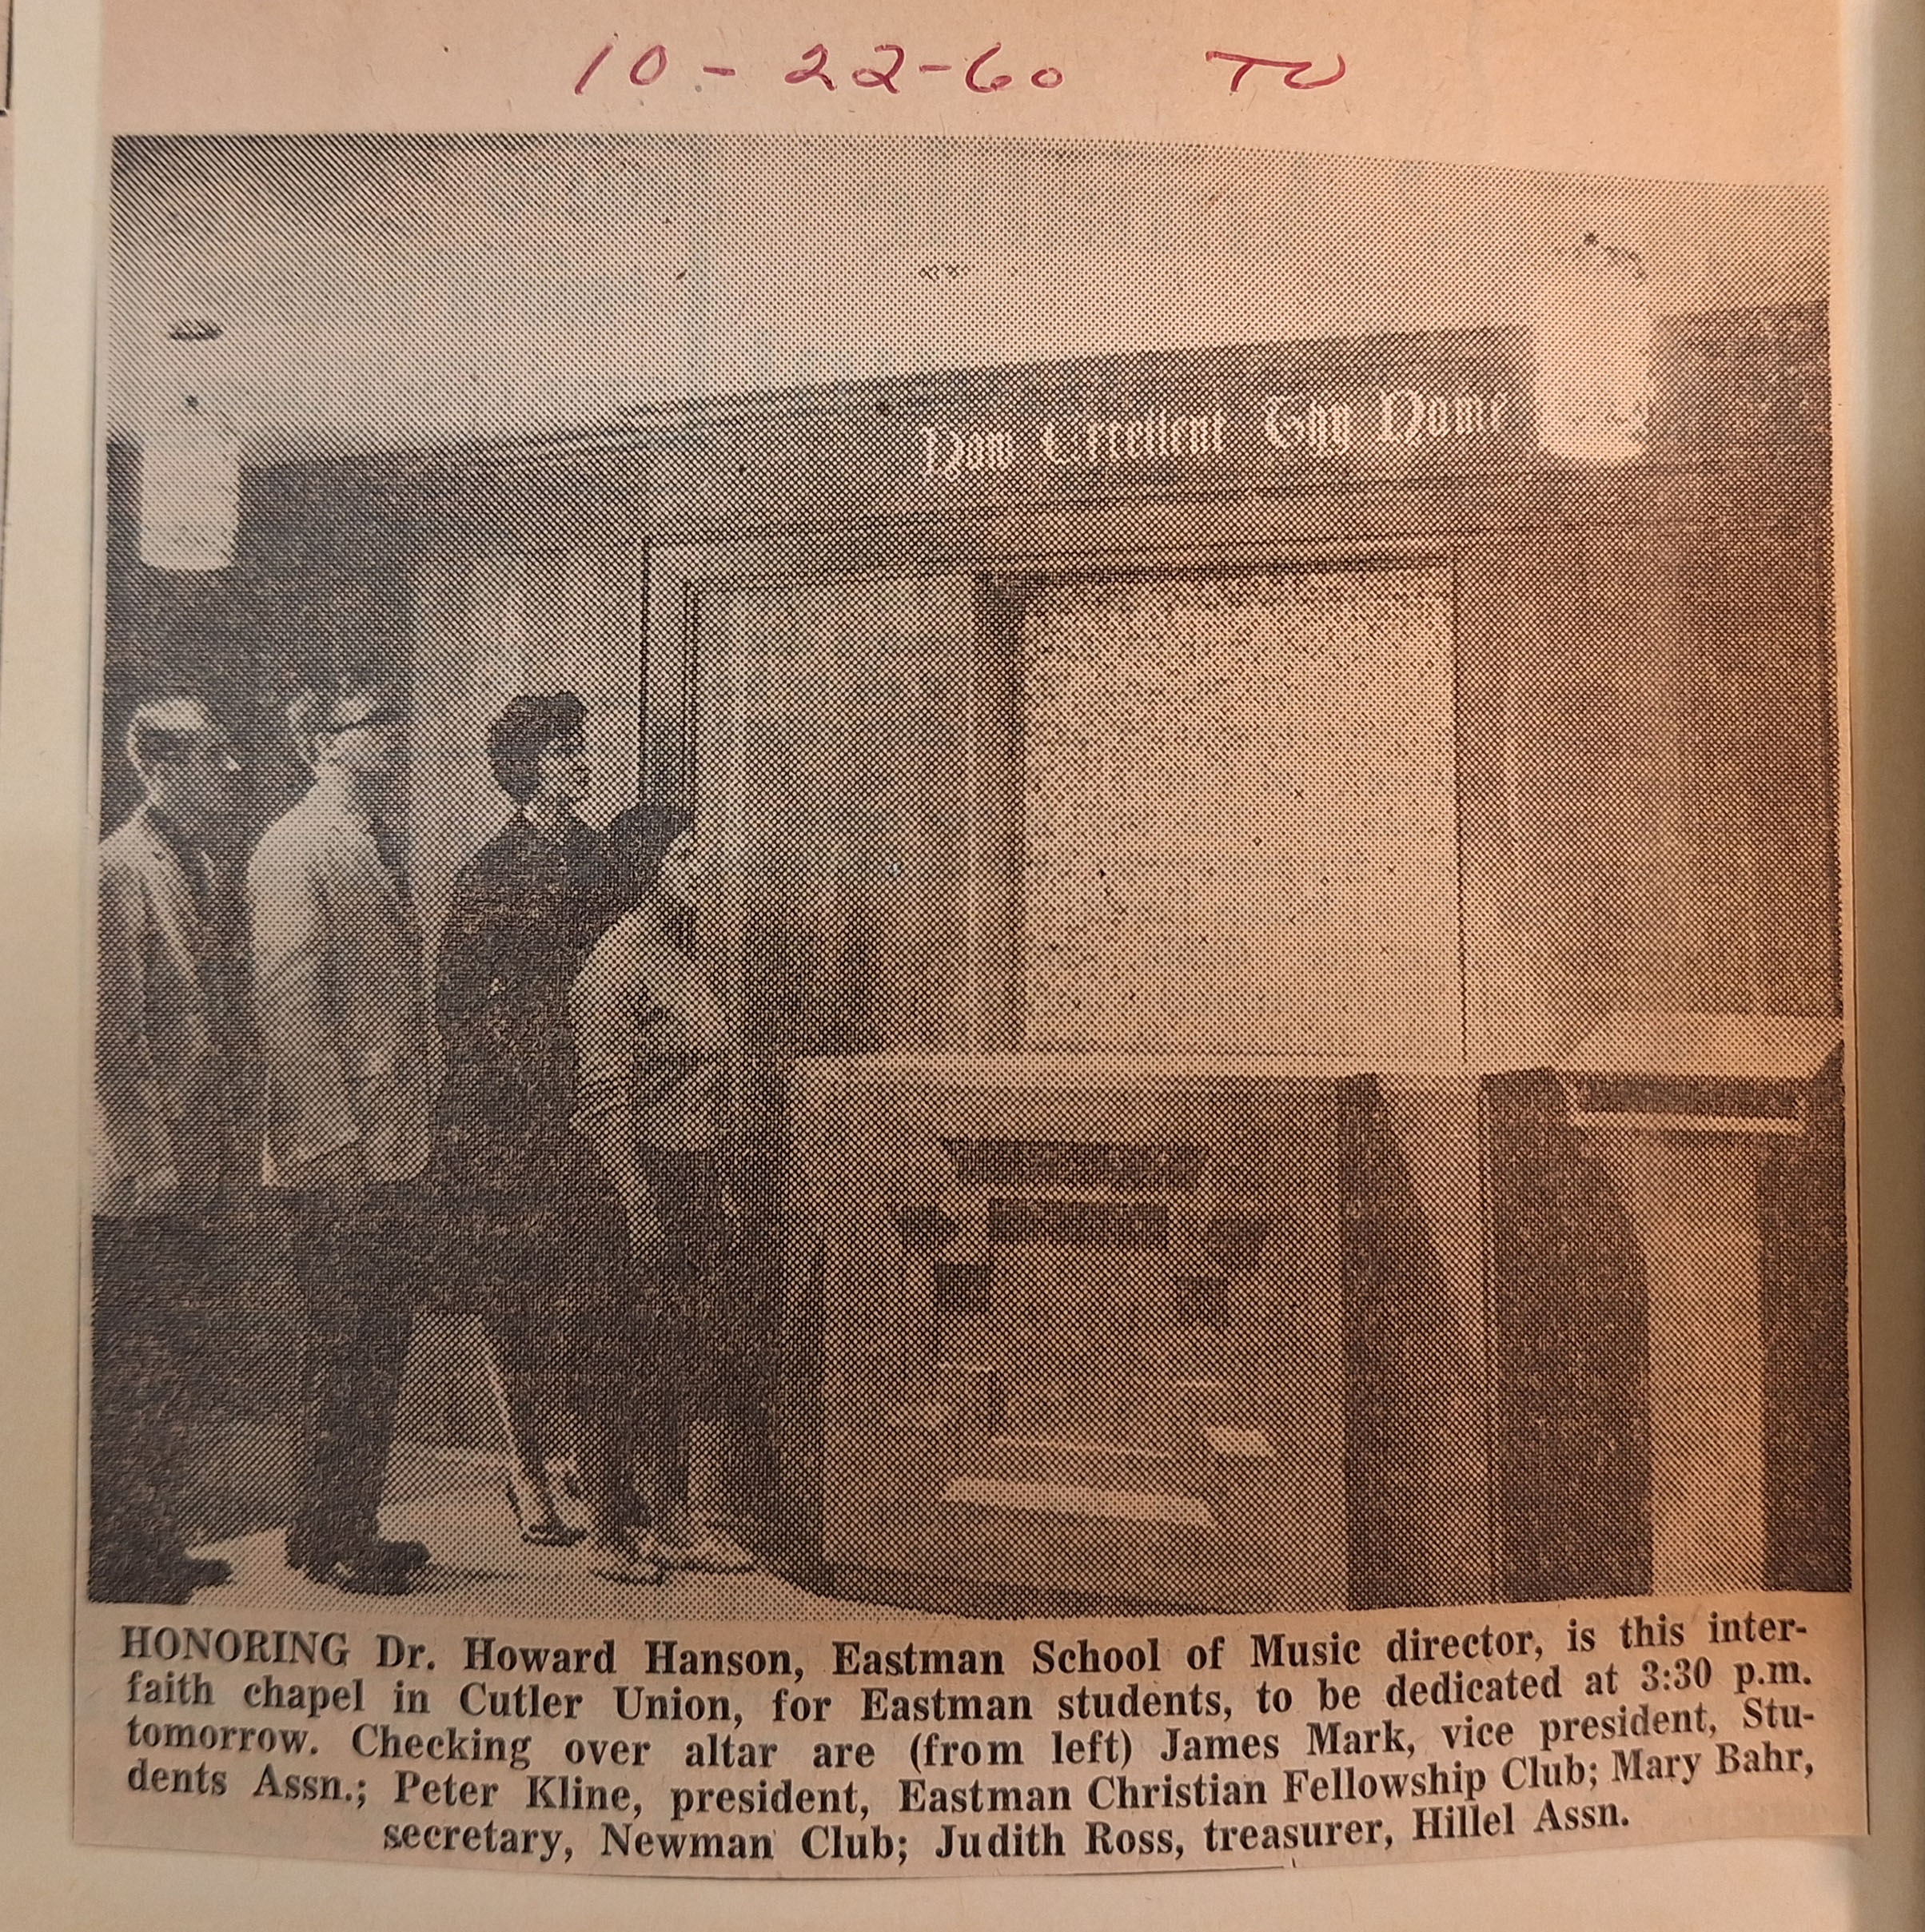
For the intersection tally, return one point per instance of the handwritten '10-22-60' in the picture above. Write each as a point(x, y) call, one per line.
point(887, 67)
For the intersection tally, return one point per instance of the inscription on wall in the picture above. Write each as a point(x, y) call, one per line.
point(1202, 432)
point(1276, 415)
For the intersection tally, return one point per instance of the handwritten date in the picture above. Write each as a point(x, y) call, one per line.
point(887, 64)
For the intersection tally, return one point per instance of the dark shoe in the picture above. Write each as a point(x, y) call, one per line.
point(395, 1560)
point(363, 1578)
point(305, 1550)
point(153, 1583)
point(206, 1572)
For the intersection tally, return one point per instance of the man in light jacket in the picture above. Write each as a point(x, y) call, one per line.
point(349, 1055)
point(164, 1144)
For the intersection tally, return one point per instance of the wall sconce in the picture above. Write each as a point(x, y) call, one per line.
point(1590, 325)
point(190, 491)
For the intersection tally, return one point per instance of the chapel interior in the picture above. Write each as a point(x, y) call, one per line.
point(1284, 917)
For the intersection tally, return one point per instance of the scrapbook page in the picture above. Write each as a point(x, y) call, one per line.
point(972, 989)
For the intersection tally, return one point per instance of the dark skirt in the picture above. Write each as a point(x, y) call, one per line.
point(524, 1259)
point(694, 1297)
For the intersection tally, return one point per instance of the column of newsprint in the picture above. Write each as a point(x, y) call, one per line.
point(942, 1747)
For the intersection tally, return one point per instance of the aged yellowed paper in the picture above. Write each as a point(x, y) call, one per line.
point(1019, 942)
point(927, 890)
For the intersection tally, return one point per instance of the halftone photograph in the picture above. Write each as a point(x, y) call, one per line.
point(910, 884)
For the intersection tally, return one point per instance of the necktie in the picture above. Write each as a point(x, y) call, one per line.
point(392, 851)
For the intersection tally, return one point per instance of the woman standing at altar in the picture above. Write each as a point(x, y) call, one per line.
point(654, 1045)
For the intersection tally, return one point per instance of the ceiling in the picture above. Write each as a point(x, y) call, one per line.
point(401, 291)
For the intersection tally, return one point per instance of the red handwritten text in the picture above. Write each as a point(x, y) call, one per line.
point(1293, 71)
point(888, 63)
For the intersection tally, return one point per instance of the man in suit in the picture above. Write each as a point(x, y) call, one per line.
point(164, 1145)
point(349, 1055)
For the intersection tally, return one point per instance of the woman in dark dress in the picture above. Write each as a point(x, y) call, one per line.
point(525, 911)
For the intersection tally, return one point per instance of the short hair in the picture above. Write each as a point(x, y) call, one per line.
point(322, 707)
point(517, 739)
point(165, 730)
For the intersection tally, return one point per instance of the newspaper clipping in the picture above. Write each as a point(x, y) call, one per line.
point(963, 1005)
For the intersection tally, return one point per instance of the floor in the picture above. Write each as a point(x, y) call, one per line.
point(479, 1562)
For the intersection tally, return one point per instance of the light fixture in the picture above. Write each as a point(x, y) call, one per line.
point(1591, 324)
point(190, 491)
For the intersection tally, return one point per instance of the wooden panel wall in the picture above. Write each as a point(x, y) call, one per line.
point(1807, 1357)
point(1646, 727)
point(835, 759)
point(1761, 765)
point(1534, 759)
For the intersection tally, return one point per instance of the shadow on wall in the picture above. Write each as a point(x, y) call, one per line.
point(1415, 1421)
point(1570, 1363)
